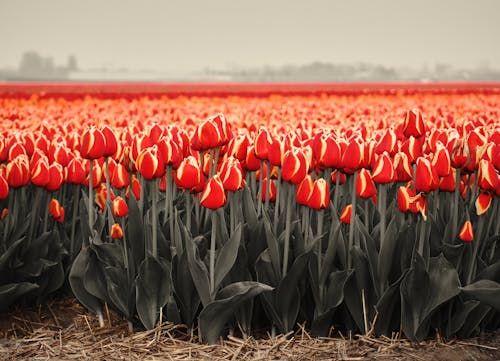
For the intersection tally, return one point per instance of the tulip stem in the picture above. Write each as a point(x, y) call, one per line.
point(76, 199)
point(454, 205)
point(188, 210)
point(91, 196)
point(336, 192)
point(268, 184)
point(421, 238)
point(154, 216)
point(34, 216)
point(353, 216)
point(125, 250)
point(382, 205)
point(261, 181)
point(477, 241)
point(305, 223)
point(277, 202)
point(232, 212)
point(319, 232)
point(288, 221)
point(212, 254)
point(170, 195)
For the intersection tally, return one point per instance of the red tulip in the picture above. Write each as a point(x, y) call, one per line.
point(15, 150)
point(56, 177)
point(96, 174)
point(155, 133)
point(170, 151)
point(92, 144)
point(17, 171)
point(56, 210)
point(223, 126)
point(336, 173)
point(327, 151)
point(136, 188)
point(58, 153)
point(40, 172)
point(210, 133)
point(459, 154)
point(387, 143)
point(412, 147)
point(419, 205)
point(4, 214)
point(149, 163)
point(116, 231)
point(277, 151)
point(404, 198)
point(487, 177)
point(466, 233)
point(294, 167)
point(237, 147)
point(483, 202)
point(188, 174)
point(120, 177)
point(345, 216)
point(447, 183)
point(414, 124)
point(232, 175)
point(365, 188)
point(272, 190)
point(4, 150)
point(139, 144)
point(383, 170)
point(304, 190)
point(4, 188)
point(262, 144)
point(353, 157)
point(402, 167)
point(213, 195)
point(76, 171)
point(111, 140)
point(426, 178)
point(252, 163)
point(320, 195)
point(119, 207)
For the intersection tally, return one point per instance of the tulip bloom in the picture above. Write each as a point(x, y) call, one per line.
point(294, 167)
point(116, 231)
point(232, 175)
point(56, 210)
point(92, 144)
point(56, 177)
point(111, 144)
point(320, 195)
point(383, 170)
point(327, 151)
point(304, 190)
point(76, 171)
point(237, 147)
point(188, 174)
point(345, 216)
point(213, 195)
point(120, 177)
point(119, 207)
point(40, 172)
point(402, 167)
point(387, 143)
point(353, 156)
point(483, 202)
point(149, 163)
point(466, 233)
point(262, 144)
point(426, 178)
point(17, 171)
point(441, 161)
point(365, 188)
point(414, 124)
point(487, 177)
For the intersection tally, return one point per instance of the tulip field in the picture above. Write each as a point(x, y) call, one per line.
point(235, 212)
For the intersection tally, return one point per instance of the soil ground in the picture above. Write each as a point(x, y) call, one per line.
point(64, 330)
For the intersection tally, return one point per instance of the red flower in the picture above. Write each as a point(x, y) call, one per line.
point(365, 188)
point(150, 163)
point(96, 174)
point(58, 153)
point(412, 147)
point(170, 151)
point(483, 202)
point(120, 177)
point(414, 124)
point(336, 173)
point(136, 188)
point(487, 177)
point(210, 133)
point(119, 207)
point(252, 163)
point(116, 231)
point(237, 147)
point(277, 151)
point(327, 152)
point(304, 190)
point(15, 150)
point(272, 190)
point(111, 140)
point(17, 171)
point(4, 188)
point(459, 154)
point(294, 167)
point(56, 177)
point(441, 161)
point(320, 196)
point(447, 183)
point(40, 172)
point(426, 178)
point(56, 210)
point(466, 233)
point(405, 198)
point(387, 143)
point(188, 174)
point(402, 167)
point(383, 170)
point(139, 144)
point(353, 156)
point(231, 174)
point(76, 171)
point(213, 195)
point(92, 144)
point(345, 216)
point(262, 144)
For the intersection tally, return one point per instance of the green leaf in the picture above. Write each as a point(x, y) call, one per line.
point(485, 291)
point(248, 206)
point(387, 251)
point(389, 309)
point(185, 291)
point(10, 292)
point(272, 246)
point(462, 312)
point(198, 270)
point(227, 257)
point(422, 292)
point(152, 287)
point(492, 273)
point(216, 314)
point(76, 277)
point(8, 256)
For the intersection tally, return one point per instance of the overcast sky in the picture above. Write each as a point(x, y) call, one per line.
point(193, 34)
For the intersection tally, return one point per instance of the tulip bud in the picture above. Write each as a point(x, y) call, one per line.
point(365, 188)
point(213, 195)
point(139, 144)
point(58, 153)
point(426, 178)
point(466, 233)
point(294, 167)
point(327, 151)
point(119, 206)
point(414, 124)
point(404, 198)
point(345, 216)
point(483, 202)
point(383, 170)
point(252, 163)
point(170, 151)
point(92, 144)
point(56, 210)
point(15, 150)
point(207, 135)
point(447, 183)
point(320, 196)
point(136, 188)
point(120, 177)
point(262, 143)
point(237, 147)
point(150, 163)
point(40, 172)
point(76, 171)
point(487, 177)
point(402, 167)
point(17, 172)
point(116, 231)
point(353, 156)
point(111, 144)
point(4, 188)
point(336, 173)
point(304, 190)
point(441, 161)
point(56, 177)
point(188, 174)
point(231, 174)
point(387, 143)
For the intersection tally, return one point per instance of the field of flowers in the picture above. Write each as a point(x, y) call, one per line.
point(234, 212)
